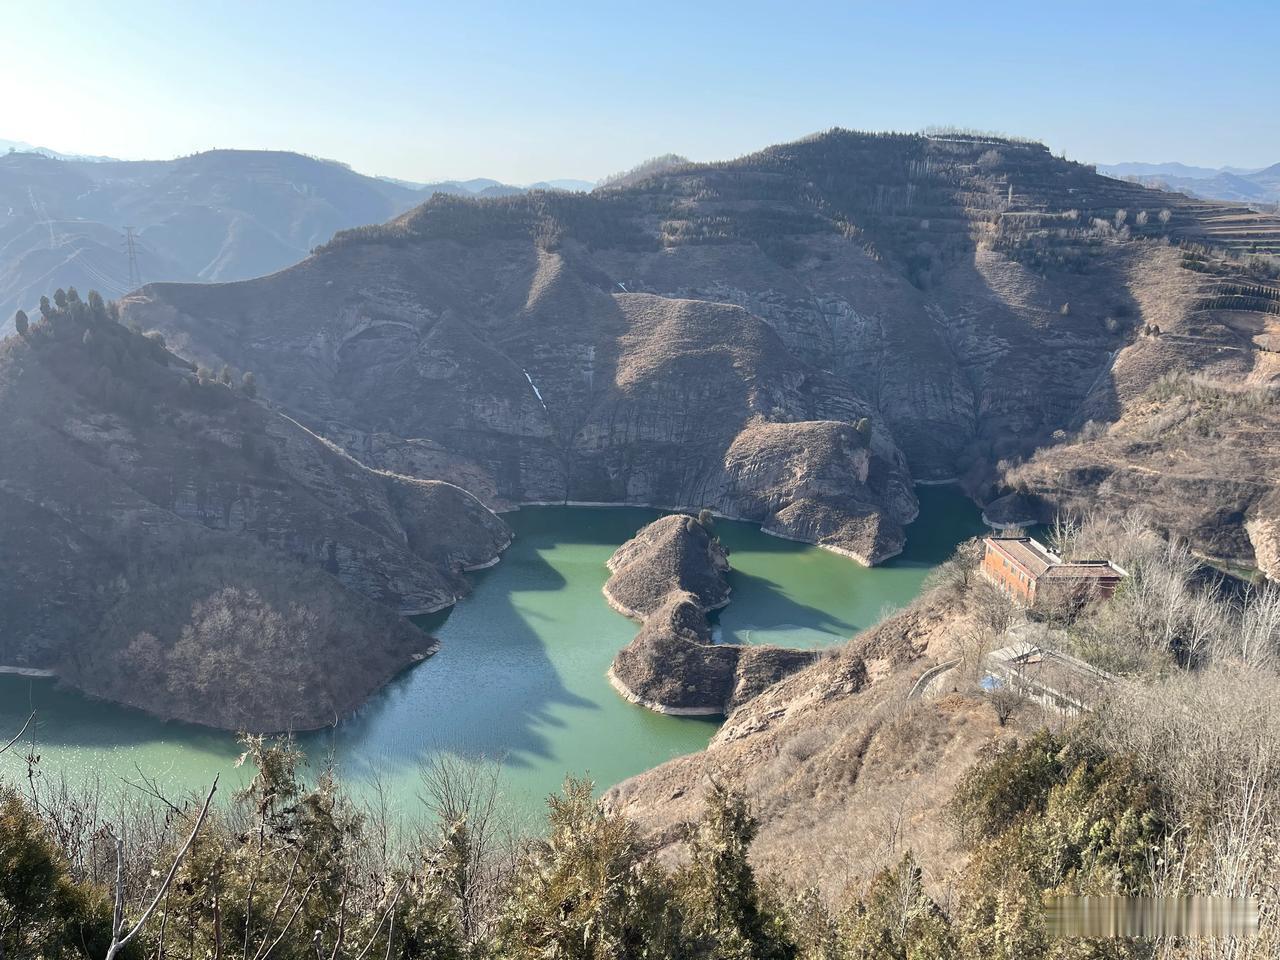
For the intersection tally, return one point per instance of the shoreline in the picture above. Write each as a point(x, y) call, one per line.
point(27, 672)
point(652, 705)
point(1009, 525)
point(841, 551)
point(466, 568)
point(619, 607)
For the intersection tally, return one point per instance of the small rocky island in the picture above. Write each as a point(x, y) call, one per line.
point(669, 576)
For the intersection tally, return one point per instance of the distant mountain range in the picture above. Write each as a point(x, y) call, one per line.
point(484, 187)
point(1237, 184)
point(20, 146)
point(215, 216)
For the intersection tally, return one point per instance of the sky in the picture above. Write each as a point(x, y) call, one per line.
point(527, 91)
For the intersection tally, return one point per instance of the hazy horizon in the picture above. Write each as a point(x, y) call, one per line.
point(464, 176)
point(438, 92)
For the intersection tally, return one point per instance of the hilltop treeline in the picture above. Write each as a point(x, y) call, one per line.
point(84, 344)
point(172, 543)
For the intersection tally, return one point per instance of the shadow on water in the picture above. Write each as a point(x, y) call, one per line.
point(492, 689)
point(520, 674)
point(791, 594)
point(947, 517)
point(766, 599)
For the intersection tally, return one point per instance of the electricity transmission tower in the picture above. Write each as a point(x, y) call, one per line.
point(135, 275)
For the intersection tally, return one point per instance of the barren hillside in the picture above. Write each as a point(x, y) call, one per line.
point(172, 543)
point(791, 337)
point(1184, 425)
point(845, 769)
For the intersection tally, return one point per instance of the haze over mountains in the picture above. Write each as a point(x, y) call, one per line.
point(1236, 184)
point(215, 216)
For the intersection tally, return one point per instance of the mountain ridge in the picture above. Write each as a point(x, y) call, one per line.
point(719, 335)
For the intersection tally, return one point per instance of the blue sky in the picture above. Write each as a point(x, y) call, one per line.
point(526, 91)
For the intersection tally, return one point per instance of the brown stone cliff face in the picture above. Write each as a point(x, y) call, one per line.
point(575, 394)
point(668, 576)
point(180, 547)
point(711, 336)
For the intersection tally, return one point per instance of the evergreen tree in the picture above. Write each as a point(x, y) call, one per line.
point(20, 323)
point(897, 920)
point(249, 383)
point(43, 912)
point(727, 916)
point(585, 892)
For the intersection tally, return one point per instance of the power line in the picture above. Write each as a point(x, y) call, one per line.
point(135, 275)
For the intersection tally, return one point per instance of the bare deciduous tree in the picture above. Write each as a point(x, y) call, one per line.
point(464, 794)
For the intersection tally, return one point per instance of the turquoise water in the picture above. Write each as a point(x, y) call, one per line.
point(520, 676)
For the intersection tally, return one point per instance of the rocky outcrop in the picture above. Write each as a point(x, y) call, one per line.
point(787, 338)
point(668, 577)
point(835, 757)
point(1015, 511)
point(566, 393)
point(673, 554)
point(172, 543)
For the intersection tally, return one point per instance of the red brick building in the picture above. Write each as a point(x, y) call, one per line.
point(1028, 571)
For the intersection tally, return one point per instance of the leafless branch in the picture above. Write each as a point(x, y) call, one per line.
point(118, 942)
point(20, 733)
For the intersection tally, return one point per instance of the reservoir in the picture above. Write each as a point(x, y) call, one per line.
point(520, 676)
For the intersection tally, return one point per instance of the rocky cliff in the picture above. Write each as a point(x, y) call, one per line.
point(668, 577)
point(791, 337)
point(674, 553)
point(173, 543)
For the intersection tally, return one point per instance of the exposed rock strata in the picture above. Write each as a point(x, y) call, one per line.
point(1186, 422)
point(668, 577)
point(176, 545)
point(714, 335)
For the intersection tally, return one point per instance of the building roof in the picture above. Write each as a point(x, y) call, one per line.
point(1031, 555)
point(1039, 561)
point(1085, 570)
